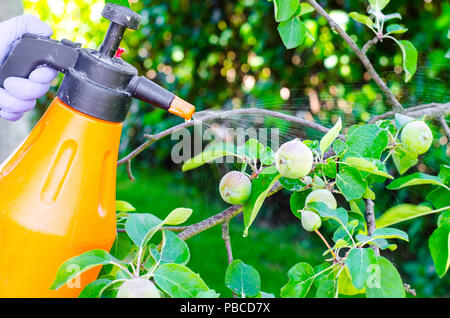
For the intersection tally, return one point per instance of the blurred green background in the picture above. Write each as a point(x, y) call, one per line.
point(228, 54)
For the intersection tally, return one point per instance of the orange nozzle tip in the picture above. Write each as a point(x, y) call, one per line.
point(181, 108)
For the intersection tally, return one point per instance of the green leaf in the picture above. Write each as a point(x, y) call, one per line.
point(211, 293)
point(178, 216)
point(339, 215)
point(178, 281)
point(374, 178)
point(339, 147)
point(310, 35)
point(391, 16)
point(252, 149)
point(174, 250)
point(417, 178)
point(361, 18)
point(439, 197)
point(327, 289)
point(210, 154)
point(341, 233)
point(95, 288)
point(378, 5)
point(385, 282)
point(400, 213)
point(369, 194)
point(292, 184)
point(404, 159)
point(439, 244)
point(267, 295)
point(301, 277)
point(365, 165)
point(444, 174)
point(260, 189)
point(79, 264)
point(383, 244)
point(351, 183)
point(409, 58)
point(330, 136)
point(330, 168)
point(358, 261)
point(368, 140)
point(292, 32)
point(345, 285)
point(285, 9)
point(267, 156)
point(123, 248)
point(303, 9)
point(384, 233)
point(323, 272)
point(297, 202)
point(396, 29)
point(140, 227)
point(243, 279)
point(123, 206)
point(444, 218)
point(401, 120)
point(358, 206)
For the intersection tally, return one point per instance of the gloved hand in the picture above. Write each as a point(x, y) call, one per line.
point(19, 94)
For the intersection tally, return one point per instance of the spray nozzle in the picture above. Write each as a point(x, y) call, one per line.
point(149, 92)
point(96, 83)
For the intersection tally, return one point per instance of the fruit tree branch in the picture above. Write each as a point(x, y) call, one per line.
point(445, 126)
point(221, 217)
point(430, 110)
point(361, 55)
point(370, 220)
point(369, 44)
point(227, 240)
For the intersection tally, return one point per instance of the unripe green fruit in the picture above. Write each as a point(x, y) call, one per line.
point(294, 159)
point(322, 195)
point(138, 288)
point(235, 187)
point(310, 221)
point(417, 137)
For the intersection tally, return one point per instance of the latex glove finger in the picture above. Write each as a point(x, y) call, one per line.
point(43, 75)
point(10, 116)
point(11, 104)
point(25, 89)
point(13, 29)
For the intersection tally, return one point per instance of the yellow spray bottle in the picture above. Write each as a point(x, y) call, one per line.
point(57, 190)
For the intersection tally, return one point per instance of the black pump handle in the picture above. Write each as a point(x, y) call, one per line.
point(33, 51)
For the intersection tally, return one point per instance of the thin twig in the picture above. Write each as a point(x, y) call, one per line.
point(430, 110)
point(326, 243)
point(370, 220)
point(170, 228)
point(369, 44)
point(363, 57)
point(445, 126)
point(227, 240)
point(129, 172)
point(221, 217)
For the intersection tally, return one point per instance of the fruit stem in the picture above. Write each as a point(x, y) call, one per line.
point(326, 243)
